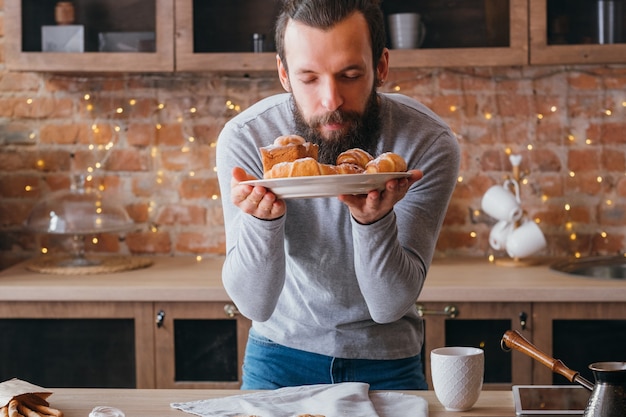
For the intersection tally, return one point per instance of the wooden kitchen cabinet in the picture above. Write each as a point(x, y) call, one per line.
point(208, 40)
point(578, 334)
point(24, 20)
point(199, 345)
point(562, 32)
point(78, 344)
point(480, 325)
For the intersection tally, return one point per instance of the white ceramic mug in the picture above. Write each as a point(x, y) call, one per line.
point(500, 203)
point(499, 234)
point(457, 374)
point(406, 30)
point(525, 240)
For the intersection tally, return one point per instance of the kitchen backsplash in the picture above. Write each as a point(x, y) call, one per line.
point(150, 140)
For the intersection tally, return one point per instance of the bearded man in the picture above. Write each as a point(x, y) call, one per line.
point(330, 284)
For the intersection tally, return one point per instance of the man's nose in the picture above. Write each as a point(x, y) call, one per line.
point(331, 96)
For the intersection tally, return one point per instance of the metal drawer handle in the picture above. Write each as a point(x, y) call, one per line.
point(159, 318)
point(230, 310)
point(448, 311)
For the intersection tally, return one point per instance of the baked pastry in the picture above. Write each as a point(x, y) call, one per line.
point(349, 169)
point(303, 167)
point(386, 162)
point(355, 156)
point(287, 149)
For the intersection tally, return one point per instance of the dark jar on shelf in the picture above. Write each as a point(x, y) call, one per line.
point(64, 13)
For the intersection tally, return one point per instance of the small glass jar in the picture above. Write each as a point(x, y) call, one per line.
point(64, 13)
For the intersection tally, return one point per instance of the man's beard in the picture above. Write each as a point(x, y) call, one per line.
point(363, 130)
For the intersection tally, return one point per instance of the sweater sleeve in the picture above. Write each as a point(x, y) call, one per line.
point(254, 269)
point(392, 256)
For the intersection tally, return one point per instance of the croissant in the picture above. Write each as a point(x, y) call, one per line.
point(386, 162)
point(346, 168)
point(303, 167)
point(355, 156)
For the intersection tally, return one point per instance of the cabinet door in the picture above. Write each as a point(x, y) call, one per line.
point(217, 36)
point(566, 32)
point(77, 344)
point(134, 36)
point(480, 325)
point(199, 345)
point(578, 334)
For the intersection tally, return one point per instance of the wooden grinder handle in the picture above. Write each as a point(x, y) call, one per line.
point(513, 340)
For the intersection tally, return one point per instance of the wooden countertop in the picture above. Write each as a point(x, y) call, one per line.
point(156, 403)
point(186, 279)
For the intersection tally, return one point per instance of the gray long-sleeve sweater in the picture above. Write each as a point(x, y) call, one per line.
point(317, 280)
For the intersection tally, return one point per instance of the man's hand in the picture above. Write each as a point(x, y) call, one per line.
point(373, 206)
point(257, 201)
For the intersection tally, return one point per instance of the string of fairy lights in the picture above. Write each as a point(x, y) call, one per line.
point(543, 108)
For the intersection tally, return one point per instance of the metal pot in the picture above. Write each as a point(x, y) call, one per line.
point(608, 395)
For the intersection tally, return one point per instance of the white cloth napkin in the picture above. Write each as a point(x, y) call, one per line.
point(351, 399)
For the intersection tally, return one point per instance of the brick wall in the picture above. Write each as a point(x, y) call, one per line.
point(150, 141)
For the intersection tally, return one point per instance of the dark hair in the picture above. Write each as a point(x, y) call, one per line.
point(324, 14)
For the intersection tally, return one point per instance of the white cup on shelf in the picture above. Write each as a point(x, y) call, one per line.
point(502, 204)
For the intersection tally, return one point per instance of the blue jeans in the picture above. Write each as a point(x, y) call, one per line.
point(268, 365)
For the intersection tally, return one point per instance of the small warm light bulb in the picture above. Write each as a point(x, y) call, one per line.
point(44, 250)
point(87, 97)
point(567, 207)
point(459, 179)
point(572, 174)
point(473, 234)
point(608, 112)
point(215, 197)
point(40, 163)
point(491, 258)
point(569, 226)
point(396, 88)
point(577, 255)
point(544, 198)
point(572, 236)
point(28, 188)
point(161, 106)
point(571, 138)
point(603, 234)
point(132, 101)
point(193, 110)
point(609, 202)
point(599, 179)
point(191, 139)
point(540, 116)
point(94, 240)
point(553, 109)
point(453, 108)
point(89, 107)
point(192, 173)
point(29, 101)
point(488, 116)
point(198, 258)
point(119, 110)
point(529, 147)
point(588, 141)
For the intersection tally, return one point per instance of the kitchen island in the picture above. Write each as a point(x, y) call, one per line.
point(479, 300)
point(156, 403)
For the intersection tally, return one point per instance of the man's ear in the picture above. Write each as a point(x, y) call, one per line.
point(283, 76)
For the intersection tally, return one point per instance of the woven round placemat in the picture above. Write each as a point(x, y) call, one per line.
point(102, 265)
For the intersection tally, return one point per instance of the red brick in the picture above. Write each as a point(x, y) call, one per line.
point(170, 135)
point(182, 215)
point(193, 188)
point(130, 159)
point(583, 81)
point(583, 160)
point(20, 186)
point(141, 134)
point(149, 242)
point(140, 212)
point(193, 158)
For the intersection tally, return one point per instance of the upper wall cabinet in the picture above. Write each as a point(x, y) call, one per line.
point(90, 35)
point(237, 35)
point(577, 31)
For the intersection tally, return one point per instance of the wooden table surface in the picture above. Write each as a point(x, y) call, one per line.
point(156, 403)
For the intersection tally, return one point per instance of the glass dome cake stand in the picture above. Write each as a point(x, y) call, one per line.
point(77, 213)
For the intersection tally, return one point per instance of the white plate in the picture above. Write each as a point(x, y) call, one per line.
point(327, 185)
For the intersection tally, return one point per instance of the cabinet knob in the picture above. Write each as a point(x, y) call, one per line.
point(448, 311)
point(523, 320)
point(159, 318)
point(230, 310)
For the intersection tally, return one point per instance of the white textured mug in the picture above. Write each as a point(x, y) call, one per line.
point(525, 240)
point(499, 234)
point(406, 30)
point(501, 204)
point(457, 374)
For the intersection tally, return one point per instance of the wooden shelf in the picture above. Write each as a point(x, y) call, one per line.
point(543, 53)
point(19, 58)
